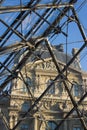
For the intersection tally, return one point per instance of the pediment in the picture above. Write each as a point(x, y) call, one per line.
point(47, 64)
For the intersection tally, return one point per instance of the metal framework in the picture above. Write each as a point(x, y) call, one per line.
point(27, 42)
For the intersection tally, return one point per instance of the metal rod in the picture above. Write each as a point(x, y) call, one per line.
point(17, 20)
point(48, 29)
point(9, 9)
point(17, 33)
point(56, 78)
point(63, 77)
point(83, 46)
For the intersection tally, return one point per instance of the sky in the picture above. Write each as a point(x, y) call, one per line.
point(74, 39)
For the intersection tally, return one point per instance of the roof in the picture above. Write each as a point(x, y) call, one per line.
point(42, 53)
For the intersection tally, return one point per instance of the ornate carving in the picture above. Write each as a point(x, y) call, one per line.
point(49, 65)
point(51, 105)
point(47, 105)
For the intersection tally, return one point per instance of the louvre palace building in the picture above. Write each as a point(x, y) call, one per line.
point(39, 99)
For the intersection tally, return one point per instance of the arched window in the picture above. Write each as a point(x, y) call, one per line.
point(52, 88)
point(51, 125)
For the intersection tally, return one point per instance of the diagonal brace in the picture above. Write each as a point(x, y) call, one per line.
point(64, 82)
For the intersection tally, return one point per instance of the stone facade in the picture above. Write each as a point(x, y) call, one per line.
point(28, 106)
point(54, 105)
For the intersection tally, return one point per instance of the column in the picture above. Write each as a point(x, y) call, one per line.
point(16, 119)
point(36, 125)
point(11, 122)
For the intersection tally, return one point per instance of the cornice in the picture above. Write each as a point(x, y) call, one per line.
point(50, 59)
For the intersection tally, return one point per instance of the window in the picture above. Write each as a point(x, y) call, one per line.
point(60, 88)
point(28, 82)
point(52, 88)
point(24, 89)
point(24, 127)
point(25, 106)
point(76, 128)
point(75, 89)
point(51, 125)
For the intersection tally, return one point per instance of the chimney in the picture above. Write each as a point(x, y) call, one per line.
point(74, 51)
point(59, 47)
